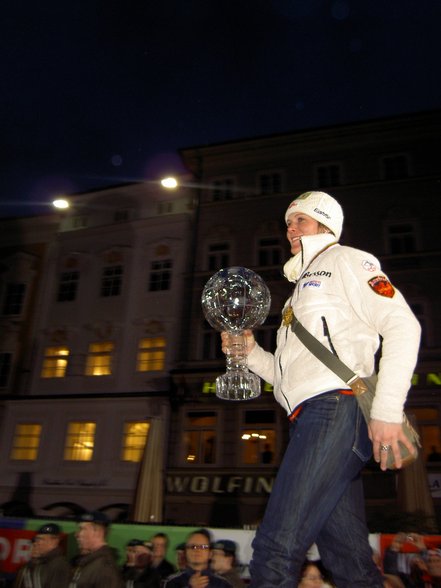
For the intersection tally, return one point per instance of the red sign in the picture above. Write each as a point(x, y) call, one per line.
point(15, 549)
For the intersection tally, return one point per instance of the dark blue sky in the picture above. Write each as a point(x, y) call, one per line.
point(102, 92)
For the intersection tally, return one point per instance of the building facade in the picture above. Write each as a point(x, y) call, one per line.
point(386, 176)
point(103, 332)
point(99, 341)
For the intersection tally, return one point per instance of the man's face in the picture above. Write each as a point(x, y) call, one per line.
point(143, 556)
point(434, 564)
point(45, 543)
point(197, 551)
point(86, 535)
point(130, 555)
point(159, 547)
point(220, 562)
point(299, 224)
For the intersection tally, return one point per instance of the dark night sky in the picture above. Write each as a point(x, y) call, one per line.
point(97, 92)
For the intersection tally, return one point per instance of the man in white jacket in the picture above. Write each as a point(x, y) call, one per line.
point(346, 301)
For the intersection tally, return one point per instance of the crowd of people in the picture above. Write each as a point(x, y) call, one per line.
point(200, 560)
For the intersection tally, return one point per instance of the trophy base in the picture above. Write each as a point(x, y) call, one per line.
point(238, 385)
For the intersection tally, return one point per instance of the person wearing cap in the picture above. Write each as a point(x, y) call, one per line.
point(223, 562)
point(345, 300)
point(49, 567)
point(24, 577)
point(198, 573)
point(141, 574)
point(159, 562)
point(181, 559)
point(97, 567)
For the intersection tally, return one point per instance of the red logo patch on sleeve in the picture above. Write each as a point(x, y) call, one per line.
point(381, 285)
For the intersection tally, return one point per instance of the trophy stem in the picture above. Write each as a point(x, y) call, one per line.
point(238, 383)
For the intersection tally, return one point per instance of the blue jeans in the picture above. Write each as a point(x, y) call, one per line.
point(318, 498)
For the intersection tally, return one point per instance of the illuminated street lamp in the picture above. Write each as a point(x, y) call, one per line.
point(170, 183)
point(61, 203)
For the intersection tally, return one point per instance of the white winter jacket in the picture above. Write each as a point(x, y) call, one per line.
point(345, 300)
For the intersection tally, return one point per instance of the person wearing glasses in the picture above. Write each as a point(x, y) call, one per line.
point(197, 573)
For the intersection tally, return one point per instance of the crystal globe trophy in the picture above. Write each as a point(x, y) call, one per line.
point(235, 299)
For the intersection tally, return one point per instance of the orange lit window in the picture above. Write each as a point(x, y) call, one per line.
point(99, 359)
point(134, 440)
point(151, 354)
point(200, 438)
point(26, 442)
point(80, 441)
point(55, 362)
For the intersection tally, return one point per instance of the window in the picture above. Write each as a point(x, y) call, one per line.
point(80, 441)
point(266, 334)
point(134, 440)
point(79, 222)
point(223, 189)
point(200, 438)
point(218, 256)
point(26, 441)
point(211, 347)
point(395, 167)
point(14, 299)
point(328, 175)
point(401, 238)
point(270, 183)
point(151, 354)
point(111, 280)
point(427, 418)
point(259, 437)
point(67, 288)
point(160, 275)
point(5, 368)
point(55, 362)
point(99, 359)
point(121, 216)
point(420, 311)
point(270, 252)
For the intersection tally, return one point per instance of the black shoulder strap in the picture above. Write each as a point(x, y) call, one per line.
point(323, 353)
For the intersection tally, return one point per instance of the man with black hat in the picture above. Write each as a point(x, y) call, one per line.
point(97, 567)
point(49, 568)
point(141, 574)
point(223, 562)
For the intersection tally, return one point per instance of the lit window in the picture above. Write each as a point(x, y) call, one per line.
point(200, 438)
point(5, 368)
point(26, 442)
point(160, 275)
point(80, 441)
point(99, 359)
point(259, 437)
point(68, 285)
point(151, 354)
point(134, 440)
point(111, 281)
point(14, 299)
point(55, 362)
